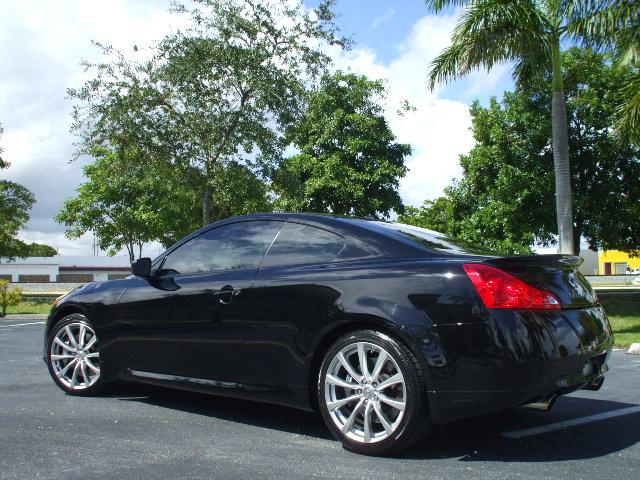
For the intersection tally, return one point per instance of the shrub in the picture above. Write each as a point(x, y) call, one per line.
point(8, 297)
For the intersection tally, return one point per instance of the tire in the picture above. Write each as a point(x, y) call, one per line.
point(392, 395)
point(75, 367)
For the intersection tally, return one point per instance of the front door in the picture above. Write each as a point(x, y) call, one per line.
point(187, 322)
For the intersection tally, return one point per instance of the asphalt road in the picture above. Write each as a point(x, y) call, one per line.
point(144, 432)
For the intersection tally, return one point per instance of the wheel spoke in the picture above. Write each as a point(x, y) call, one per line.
point(90, 343)
point(382, 358)
point(81, 336)
point(67, 367)
point(383, 420)
point(92, 355)
point(367, 422)
point(398, 405)
point(349, 423)
point(71, 337)
point(61, 357)
point(74, 376)
point(63, 345)
point(397, 378)
point(347, 366)
point(343, 401)
point(85, 375)
point(362, 357)
point(333, 380)
point(92, 366)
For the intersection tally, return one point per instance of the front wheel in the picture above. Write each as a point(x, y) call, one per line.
point(74, 357)
point(372, 394)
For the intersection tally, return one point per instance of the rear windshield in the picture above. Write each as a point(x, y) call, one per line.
point(423, 237)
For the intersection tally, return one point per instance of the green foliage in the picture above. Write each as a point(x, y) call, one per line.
point(9, 297)
point(41, 250)
point(15, 203)
point(349, 162)
point(505, 198)
point(221, 91)
point(615, 24)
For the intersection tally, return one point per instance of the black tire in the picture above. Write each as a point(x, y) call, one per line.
point(415, 422)
point(100, 384)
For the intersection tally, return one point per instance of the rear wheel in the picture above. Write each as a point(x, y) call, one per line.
point(74, 356)
point(372, 394)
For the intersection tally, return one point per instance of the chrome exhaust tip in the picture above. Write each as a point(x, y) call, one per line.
point(545, 404)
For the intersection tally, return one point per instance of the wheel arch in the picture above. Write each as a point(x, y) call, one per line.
point(344, 325)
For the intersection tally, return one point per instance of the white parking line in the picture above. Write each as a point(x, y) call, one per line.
point(21, 324)
point(528, 432)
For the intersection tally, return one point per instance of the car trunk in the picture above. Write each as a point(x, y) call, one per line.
point(557, 274)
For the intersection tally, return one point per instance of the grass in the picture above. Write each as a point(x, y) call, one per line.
point(30, 307)
point(623, 311)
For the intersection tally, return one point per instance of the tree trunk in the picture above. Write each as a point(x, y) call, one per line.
point(130, 252)
point(207, 198)
point(562, 167)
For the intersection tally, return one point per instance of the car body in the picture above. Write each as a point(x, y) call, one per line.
point(258, 329)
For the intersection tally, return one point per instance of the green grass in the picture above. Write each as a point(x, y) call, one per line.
point(624, 314)
point(30, 307)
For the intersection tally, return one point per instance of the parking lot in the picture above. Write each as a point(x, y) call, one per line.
point(145, 432)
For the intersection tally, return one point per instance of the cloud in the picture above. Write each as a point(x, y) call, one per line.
point(42, 43)
point(41, 46)
point(439, 128)
point(382, 19)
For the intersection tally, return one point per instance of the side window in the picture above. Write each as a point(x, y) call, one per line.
point(297, 244)
point(234, 246)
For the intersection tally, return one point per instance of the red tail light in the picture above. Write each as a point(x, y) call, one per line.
point(499, 289)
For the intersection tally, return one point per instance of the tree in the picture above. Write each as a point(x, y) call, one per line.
point(41, 250)
point(15, 203)
point(505, 198)
point(9, 297)
point(119, 203)
point(615, 24)
point(222, 91)
point(529, 33)
point(349, 162)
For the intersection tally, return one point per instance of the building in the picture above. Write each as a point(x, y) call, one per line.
point(615, 262)
point(65, 269)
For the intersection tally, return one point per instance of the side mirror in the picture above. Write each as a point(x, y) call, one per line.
point(141, 267)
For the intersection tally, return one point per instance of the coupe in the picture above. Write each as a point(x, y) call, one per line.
point(385, 329)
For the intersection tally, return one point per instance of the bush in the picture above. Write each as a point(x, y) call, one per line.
point(8, 297)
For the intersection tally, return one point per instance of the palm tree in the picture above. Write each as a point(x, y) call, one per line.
point(616, 24)
point(528, 33)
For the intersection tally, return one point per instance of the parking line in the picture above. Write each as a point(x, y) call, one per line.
point(528, 432)
point(21, 324)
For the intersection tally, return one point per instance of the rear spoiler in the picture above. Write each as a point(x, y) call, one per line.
point(556, 260)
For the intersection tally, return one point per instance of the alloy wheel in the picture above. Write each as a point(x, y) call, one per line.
point(74, 356)
point(365, 392)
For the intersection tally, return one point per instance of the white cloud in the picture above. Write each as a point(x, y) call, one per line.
point(42, 43)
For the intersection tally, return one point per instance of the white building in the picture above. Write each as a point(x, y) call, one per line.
point(65, 268)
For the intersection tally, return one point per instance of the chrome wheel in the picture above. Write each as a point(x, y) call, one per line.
point(74, 356)
point(365, 392)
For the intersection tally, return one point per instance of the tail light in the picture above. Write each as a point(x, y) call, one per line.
point(499, 289)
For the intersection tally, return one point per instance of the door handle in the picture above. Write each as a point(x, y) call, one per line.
point(226, 294)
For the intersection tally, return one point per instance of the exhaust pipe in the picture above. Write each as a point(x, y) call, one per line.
point(545, 404)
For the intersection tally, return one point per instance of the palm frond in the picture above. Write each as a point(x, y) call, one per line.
point(491, 32)
point(438, 5)
point(597, 22)
point(628, 114)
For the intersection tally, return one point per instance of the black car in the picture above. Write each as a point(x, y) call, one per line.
point(386, 329)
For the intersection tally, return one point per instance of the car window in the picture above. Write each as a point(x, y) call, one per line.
point(297, 244)
point(229, 247)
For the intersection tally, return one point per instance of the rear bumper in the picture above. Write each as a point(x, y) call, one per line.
point(515, 358)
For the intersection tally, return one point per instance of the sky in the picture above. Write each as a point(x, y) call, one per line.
point(43, 43)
